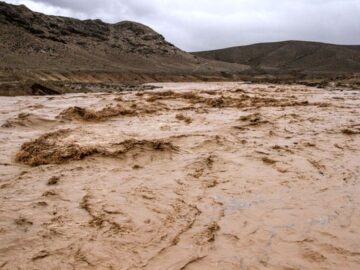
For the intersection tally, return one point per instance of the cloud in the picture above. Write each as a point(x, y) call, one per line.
point(209, 24)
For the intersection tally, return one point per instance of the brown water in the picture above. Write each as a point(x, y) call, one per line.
point(193, 176)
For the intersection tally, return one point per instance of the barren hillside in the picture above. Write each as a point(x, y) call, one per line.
point(38, 42)
point(308, 57)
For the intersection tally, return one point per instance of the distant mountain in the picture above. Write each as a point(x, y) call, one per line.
point(286, 56)
point(33, 41)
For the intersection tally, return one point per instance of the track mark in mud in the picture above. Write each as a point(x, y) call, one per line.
point(40, 255)
point(50, 193)
point(182, 212)
point(339, 250)
point(317, 165)
point(100, 219)
point(197, 231)
point(194, 260)
point(313, 256)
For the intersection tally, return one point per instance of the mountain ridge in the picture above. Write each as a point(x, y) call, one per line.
point(35, 47)
point(291, 55)
point(35, 41)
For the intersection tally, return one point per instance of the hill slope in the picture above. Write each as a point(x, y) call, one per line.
point(34, 41)
point(309, 57)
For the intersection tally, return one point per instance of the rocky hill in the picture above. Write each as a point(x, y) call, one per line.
point(287, 56)
point(52, 54)
point(33, 41)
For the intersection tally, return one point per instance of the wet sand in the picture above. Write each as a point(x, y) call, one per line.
point(190, 176)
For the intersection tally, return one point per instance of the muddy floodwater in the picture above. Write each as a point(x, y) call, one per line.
point(188, 176)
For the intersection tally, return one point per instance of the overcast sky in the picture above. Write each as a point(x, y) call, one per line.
point(209, 24)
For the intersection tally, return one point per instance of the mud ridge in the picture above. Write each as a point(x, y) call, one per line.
point(110, 111)
point(48, 150)
point(240, 100)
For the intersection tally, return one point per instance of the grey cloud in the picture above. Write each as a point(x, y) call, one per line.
point(208, 24)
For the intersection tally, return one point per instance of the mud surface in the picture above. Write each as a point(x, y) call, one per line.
point(191, 176)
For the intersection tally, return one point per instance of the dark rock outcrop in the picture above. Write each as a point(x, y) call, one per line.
point(131, 37)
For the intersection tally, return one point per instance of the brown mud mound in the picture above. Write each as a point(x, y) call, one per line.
point(184, 118)
point(48, 149)
point(128, 145)
point(168, 95)
point(251, 117)
point(110, 111)
point(351, 130)
point(219, 99)
point(79, 113)
point(254, 119)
